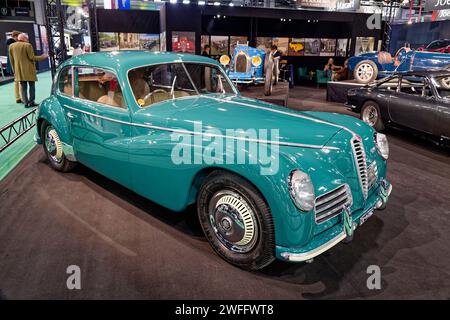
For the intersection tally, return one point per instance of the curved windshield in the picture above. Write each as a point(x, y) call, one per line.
point(157, 83)
point(209, 79)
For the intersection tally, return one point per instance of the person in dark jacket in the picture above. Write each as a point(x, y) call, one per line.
point(206, 49)
point(9, 69)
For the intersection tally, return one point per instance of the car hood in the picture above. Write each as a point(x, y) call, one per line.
point(226, 113)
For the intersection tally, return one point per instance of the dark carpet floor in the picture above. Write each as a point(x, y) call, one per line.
point(129, 248)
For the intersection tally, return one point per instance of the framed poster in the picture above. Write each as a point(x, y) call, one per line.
point(296, 47)
point(234, 40)
point(109, 41)
point(204, 40)
point(219, 45)
point(327, 47)
point(37, 39)
point(312, 47)
point(183, 41)
point(341, 47)
point(44, 39)
point(128, 41)
point(163, 43)
point(148, 41)
point(364, 44)
point(282, 44)
point(264, 43)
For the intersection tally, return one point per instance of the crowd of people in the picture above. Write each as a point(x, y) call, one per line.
point(21, 62)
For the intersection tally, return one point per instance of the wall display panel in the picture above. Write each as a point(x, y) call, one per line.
point(341, 47)
point(327, 47)
point(264, 43)
point(282, 44)
point(44, 39)
point(148, 41)
point(128, 41)
point(108, 41)
point(234, 40)
point(183, 41)
point(219, 45)
point(296, 47)
point(364, 44)
point(163, 43)
point(37, 40)
point(312, 47)
point(204, 40)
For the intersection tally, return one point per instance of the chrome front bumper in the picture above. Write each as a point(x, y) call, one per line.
point(305, 256)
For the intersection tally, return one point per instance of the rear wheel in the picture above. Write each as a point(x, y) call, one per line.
point(236, 220)
point(53, 148)
point(365, 71)
point(370, 114)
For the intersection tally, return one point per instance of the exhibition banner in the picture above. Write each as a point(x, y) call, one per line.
point(431, 5)
point(330, 4)
point(342, 5)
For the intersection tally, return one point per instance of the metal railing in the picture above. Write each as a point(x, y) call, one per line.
point(17, 128)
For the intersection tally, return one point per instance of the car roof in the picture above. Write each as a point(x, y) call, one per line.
point(126, 60)
point(425, 73)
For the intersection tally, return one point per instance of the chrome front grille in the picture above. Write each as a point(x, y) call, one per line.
point(361, 165)
point(332, 203)
point(242, 63)
point(372, 173)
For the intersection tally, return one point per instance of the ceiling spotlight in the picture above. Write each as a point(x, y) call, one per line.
point(217, 3)
point(201, 3)
point(186, 1)
point(231, 4)
point(218, 16)
point(290, 20)
point(309, 21)
point(173, 1)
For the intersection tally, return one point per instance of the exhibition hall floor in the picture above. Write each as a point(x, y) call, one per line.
point(129, 248)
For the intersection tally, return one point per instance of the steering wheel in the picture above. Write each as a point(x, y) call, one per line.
point(400, 55)
point(155, 91)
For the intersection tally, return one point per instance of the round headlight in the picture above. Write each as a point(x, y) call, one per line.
point(301, 190)
point(256, 61)
point(382, 145)
point(224, 60)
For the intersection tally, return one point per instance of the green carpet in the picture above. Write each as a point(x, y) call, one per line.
point(10, 110)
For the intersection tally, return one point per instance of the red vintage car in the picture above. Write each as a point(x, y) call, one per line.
point(184, 45)
point(442, 46)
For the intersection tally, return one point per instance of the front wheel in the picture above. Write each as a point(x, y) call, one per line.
point(365, 71)
point(53, 148)
point(236, 220)
point(370, 114)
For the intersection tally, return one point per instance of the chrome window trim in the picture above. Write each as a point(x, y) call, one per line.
point(182, 131)
point(57, 91)
point(125, 108)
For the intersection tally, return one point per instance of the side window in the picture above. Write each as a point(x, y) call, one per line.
point(416, 86)
point(390, 85)
point(98, 85)
point(65, 81)
point(158, 83)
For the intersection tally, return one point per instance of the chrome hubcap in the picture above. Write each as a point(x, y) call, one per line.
point(53, 144)
point(370, 115)
point(233, 221)
point(365, 72)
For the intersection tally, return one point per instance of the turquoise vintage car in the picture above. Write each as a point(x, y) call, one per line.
point(268, 182)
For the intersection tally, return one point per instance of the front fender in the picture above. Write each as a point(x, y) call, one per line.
point(52, 111)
